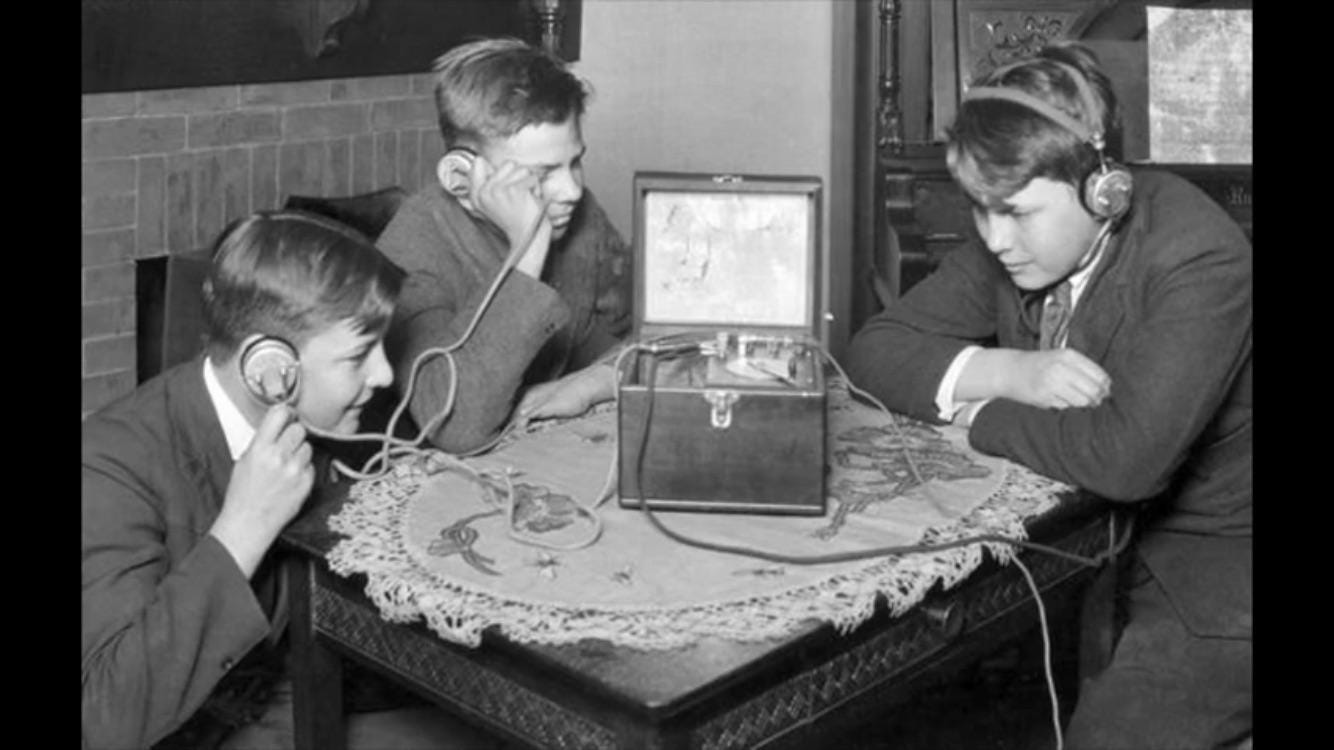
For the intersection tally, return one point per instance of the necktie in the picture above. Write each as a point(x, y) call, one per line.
point(1055, 317)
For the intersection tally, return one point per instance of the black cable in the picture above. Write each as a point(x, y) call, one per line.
point(837, 557)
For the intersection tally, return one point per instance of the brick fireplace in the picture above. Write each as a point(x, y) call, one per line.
point(164, 171)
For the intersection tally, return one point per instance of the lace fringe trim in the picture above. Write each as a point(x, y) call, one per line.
point(404, 590)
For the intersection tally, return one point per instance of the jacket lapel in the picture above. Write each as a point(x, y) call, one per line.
point(1101, 309)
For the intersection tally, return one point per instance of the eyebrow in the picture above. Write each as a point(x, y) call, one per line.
point(548, 167)
point(997, 205)
point(362, 349)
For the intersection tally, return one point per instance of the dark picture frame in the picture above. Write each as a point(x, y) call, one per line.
point(134, 45)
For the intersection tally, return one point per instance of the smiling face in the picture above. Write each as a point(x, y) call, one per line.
point(554, 152)
point(340, 370)
point(1040, 233)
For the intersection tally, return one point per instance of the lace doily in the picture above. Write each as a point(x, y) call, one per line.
point(436, 544)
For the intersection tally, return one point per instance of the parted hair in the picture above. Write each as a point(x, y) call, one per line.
point(1010, 144)
point(491, 89)
point(293, 274)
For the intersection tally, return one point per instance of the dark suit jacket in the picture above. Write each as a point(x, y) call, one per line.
point(533, 331)
point(1167, 313)
point(166, 611)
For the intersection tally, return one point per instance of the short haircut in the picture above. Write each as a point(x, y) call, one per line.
point(1009, 144)
point(293, 274)
point(492, 88)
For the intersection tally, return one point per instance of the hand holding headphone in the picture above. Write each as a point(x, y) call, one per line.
point(501, 197)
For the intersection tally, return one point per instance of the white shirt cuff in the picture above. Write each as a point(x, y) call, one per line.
point(945, 403)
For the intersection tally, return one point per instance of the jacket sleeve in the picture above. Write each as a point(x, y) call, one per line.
point(613, 291)
point(434, 312)
point(1185, 337)
point(901, 354)
point(155, 641)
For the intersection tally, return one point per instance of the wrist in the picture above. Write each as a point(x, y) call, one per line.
point(533, 256)
point(246, 539)
point(603, 377)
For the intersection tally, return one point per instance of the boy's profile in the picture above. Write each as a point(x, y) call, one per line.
point(188, 481)
point(510, 185)
point(1105, 343)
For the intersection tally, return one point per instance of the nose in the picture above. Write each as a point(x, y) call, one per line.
point(378, 374)
point(996, 231)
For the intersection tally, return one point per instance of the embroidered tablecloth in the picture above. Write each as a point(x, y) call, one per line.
point(438, 543)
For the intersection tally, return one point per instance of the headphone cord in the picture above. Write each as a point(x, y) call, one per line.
point(392, 446)
point(1115, 546)
point(836, 557)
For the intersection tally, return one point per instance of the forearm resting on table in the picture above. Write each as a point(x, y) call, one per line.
point(570, 395)
point(989, 373)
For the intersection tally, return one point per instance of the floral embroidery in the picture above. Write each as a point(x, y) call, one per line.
point(458, 538)
point(874, 465)
point(538, 510)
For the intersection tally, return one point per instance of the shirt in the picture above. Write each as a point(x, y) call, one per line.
point(235, 427)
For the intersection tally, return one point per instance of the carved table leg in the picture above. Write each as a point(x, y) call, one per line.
point(317, 672)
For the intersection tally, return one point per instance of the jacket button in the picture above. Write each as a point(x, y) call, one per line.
point(227, 664)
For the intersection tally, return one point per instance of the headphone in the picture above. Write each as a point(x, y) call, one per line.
point(455, 170)
point(271, 370)
point(1107, 189)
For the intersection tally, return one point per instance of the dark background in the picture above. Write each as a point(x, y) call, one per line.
point(133, 45)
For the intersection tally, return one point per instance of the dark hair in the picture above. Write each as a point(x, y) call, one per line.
point(493, 88)
point(1010, 144)
point(292, 274)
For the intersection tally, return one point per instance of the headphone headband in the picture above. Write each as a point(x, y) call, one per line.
point(1090, 133)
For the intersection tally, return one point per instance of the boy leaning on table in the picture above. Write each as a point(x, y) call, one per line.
point(1097, 329)
point(188, 481)
point(511, 181)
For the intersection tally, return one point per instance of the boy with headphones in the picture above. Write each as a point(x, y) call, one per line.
point(510, 194)
point(188, 481)
point(1100, 335)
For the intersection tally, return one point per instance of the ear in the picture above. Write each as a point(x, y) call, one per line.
point(454, 171)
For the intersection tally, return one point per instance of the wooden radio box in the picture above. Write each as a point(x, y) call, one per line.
point(729, 382)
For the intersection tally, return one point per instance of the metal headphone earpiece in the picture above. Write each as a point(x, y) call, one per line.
point(271, 370)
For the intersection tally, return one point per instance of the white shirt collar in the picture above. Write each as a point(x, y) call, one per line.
point(1080, 279)
point(235, 427)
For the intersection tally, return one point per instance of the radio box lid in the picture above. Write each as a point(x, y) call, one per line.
point(726, 253)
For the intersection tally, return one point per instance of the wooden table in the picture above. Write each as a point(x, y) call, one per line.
point(717, 694)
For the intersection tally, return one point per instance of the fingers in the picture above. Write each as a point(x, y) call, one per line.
point(275, 420)
point(510, 181)
point(281, 432)
point(292, 438)
point(532, 403)
point(1087, 368)
point(1077, 388)
point(1077, 394)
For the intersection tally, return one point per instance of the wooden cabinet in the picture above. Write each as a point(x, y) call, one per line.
point(970, 38)
point(915, 65)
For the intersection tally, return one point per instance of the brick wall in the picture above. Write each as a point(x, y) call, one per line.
point(164, 171)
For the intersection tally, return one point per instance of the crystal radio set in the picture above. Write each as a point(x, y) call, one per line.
point(721, 400)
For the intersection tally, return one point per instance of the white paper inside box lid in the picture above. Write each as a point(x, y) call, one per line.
point(739, 259)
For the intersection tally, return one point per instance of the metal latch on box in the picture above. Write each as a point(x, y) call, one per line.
point(721, 401)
